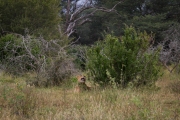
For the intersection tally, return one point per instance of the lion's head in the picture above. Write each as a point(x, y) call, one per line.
point(81, 79)
point(81, 86)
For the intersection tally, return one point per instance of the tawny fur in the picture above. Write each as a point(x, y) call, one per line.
point(81, 85)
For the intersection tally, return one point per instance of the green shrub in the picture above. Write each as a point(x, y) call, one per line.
point(7, 43)
point(14, 47)
point(124, 61)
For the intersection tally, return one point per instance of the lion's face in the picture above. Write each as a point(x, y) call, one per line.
point(81, 86)
point(81, 79)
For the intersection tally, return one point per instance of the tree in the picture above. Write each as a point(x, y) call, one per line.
point(33, 16)
point(47, 59)
point(76, 14)
point(151, 15)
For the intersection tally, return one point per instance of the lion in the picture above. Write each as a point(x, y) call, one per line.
point(81, 85)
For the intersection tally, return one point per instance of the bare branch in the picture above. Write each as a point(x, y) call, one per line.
point(76, 18)
point(170, 53)
point(84, 21)
point(47, 59)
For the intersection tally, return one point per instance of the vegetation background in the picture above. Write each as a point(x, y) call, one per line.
point(128, 51)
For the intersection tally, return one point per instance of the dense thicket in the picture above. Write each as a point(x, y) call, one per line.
point(39, 17)
point(151, 15)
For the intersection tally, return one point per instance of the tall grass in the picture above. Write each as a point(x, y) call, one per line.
point(18, 101)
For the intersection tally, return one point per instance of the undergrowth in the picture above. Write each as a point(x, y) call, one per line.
point(18, 101)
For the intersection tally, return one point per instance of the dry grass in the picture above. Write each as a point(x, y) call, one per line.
point(18, 101)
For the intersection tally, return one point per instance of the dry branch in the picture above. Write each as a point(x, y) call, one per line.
point(47, 59)
point(76, 18)
point(170, 53)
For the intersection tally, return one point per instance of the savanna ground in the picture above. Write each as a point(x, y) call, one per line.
point(20, 102)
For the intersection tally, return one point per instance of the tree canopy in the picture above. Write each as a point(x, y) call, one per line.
point(87, 20)
point(36, 16)
point(151, 15)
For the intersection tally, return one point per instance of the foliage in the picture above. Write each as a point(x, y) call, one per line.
point(49, 60)
point(126, 60)
point(35, 16)
point(156, 24)
point(7, 42)
point(150, 15)
point(92, 31)
point(78, 52)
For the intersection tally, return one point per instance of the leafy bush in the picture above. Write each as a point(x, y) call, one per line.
point(124, 61)
point(14, 51)
point(8, 42)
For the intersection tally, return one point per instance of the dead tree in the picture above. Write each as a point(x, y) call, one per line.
point(170, 53)
point(48, 60)
point(76, 16)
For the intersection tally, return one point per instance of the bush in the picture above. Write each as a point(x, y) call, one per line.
point(124, 61)
point(7, 43)
point(18, 52)
point(49, 60)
